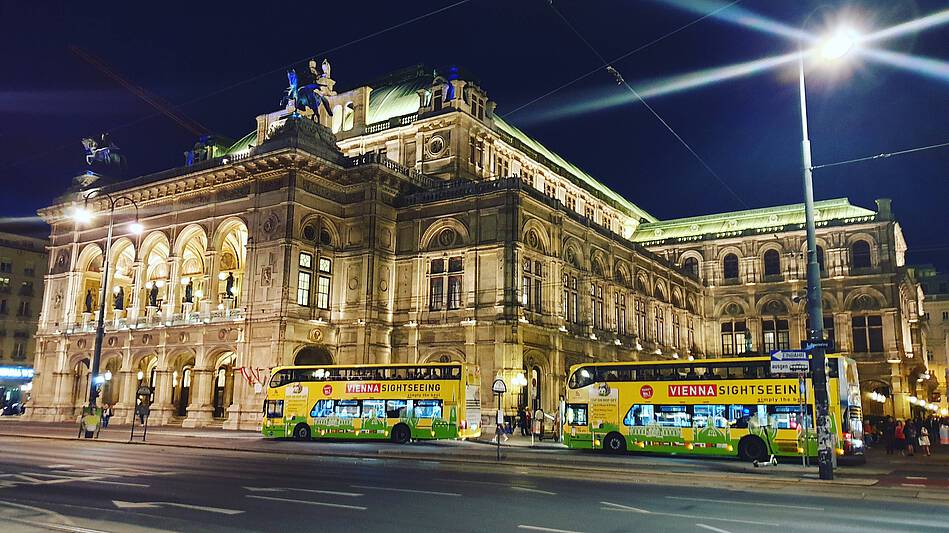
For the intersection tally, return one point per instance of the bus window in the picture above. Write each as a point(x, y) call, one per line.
point(646, 373)
point(395, 408)
point(788, 417)
point(274, 408)
point(609, 374)
point(702, 414)
point(639, 415)
point(428, 408)
point(347, 408)
point(280, 379)
point(576, 414)
point(715, 372)
point(373, 408)
point(582, 377)
point(323, 408)
point(744, 416)
point(666, 373)
point(673, 416)
point(454, 372)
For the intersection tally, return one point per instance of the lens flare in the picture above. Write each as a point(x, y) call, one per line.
point(662, 87)
point(738, 15)
point(912, 26)
point(932, 68)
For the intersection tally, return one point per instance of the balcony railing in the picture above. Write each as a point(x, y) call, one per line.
point(159, 320)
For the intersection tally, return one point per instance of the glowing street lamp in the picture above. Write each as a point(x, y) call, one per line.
point(839, 44)
point(834, 48)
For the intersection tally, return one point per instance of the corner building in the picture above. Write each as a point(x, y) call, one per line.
point(410, 225)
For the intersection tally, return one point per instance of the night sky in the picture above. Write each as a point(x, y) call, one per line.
point(224, 64)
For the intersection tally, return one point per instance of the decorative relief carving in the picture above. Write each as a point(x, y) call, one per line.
point(270, 224)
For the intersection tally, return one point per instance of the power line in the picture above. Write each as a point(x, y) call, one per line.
point(621, 81)
point(620, 58)
point(882, 156)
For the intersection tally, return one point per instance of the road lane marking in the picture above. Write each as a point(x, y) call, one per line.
point(316, 491)
point(538, 491)
point(59, 466)
point(58, 527)
point(552, 530)
point(710, 528)
point(680, 515)
point(915, 485)
point(413, 491)
point(308, 502)
point(917, 477)
point(619, 507)
point(154, 505)
point(123, 483)
point(799, 507)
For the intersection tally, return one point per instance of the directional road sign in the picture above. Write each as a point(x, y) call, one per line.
point(789, 362)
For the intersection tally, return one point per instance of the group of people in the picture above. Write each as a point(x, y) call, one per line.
point(909, 436)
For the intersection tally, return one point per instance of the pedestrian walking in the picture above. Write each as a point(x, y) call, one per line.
point(889, 435)
point(525, 422)
point(900, 437)
point(107, 413)
point(910, 432)
point(924, 440)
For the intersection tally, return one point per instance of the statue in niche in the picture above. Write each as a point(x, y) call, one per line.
point(229, 285)
point(120, 299)
point(88, 300)
point(153, 295)
point(189, 292)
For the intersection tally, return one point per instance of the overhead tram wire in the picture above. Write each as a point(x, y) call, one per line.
point(884, 155)
point(620, 58)
point(622, 81)
point(245, 81)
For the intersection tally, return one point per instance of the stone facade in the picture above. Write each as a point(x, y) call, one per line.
point(933, 386)
point(410, 225)
point(22, 262)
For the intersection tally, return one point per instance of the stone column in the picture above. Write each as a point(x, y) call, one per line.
point(162, 409)
point(200, 410)
point(125, 409)
point(210, 278)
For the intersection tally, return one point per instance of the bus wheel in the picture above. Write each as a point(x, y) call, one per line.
point(400, 434)
point(752, 448)
point(614, 443)
point(301, 432)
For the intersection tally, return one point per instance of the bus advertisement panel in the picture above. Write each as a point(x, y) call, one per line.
point(396, 402)
point(711, 407)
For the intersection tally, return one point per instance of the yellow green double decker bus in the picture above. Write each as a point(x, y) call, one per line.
point(397, 402)
point(708, 407)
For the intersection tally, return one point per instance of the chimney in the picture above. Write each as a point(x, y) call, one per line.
point(883, 208)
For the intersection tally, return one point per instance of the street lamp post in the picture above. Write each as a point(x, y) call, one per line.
point(836, 47)
point(83, 215)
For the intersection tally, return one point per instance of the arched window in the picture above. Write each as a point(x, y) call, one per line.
point(820, 259)
point(860, 254)
point(691, 265)
point(730, 266)
point(772, 263)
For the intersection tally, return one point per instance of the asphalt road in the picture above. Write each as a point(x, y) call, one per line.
point(86, 487)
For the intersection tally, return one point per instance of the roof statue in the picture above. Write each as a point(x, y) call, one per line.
point(308, 96)
point(103, 155)
point(322, 76)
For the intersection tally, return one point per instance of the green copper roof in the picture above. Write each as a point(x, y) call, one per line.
point(395, 100)
point(752, 219)
point(243, 144)
point(633, 209)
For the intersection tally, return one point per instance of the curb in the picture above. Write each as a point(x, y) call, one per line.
point(730, 481)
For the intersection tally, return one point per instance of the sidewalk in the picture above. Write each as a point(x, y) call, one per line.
point(896, 476)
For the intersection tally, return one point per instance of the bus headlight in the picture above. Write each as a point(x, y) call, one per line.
point(596, 442)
